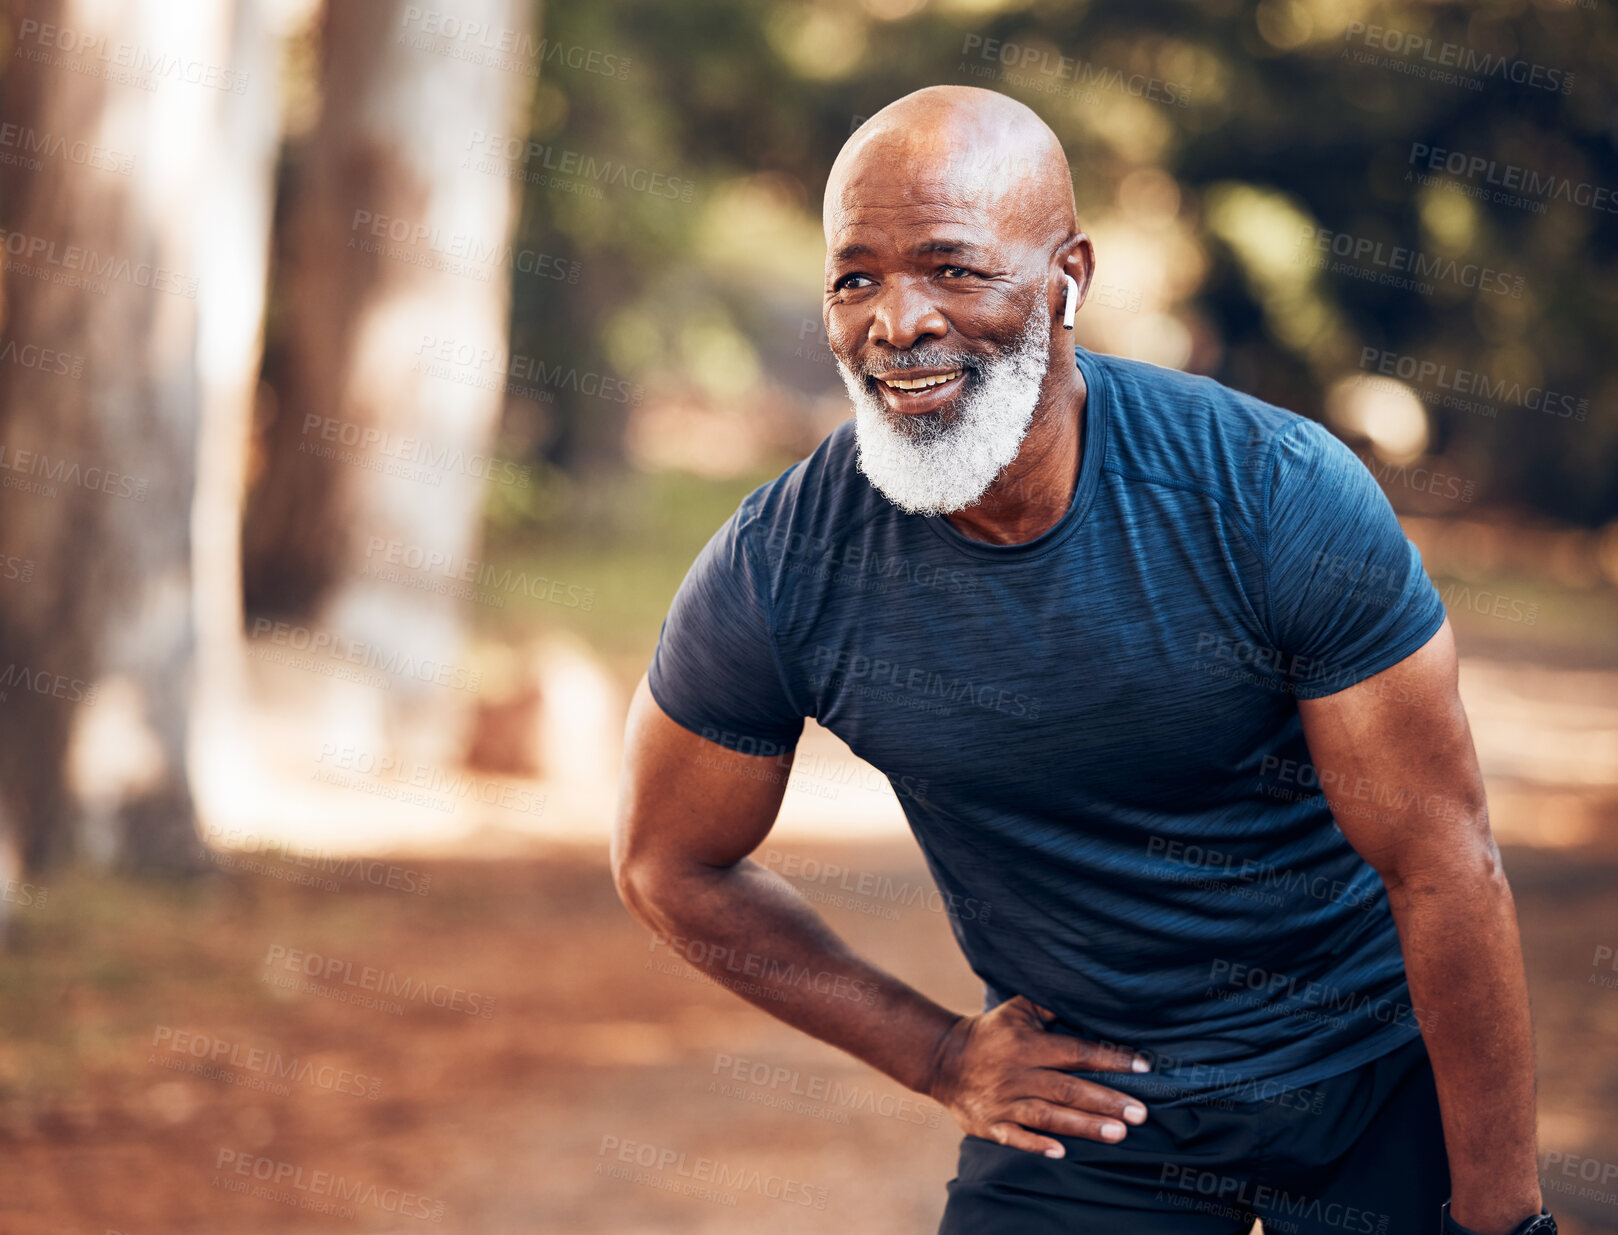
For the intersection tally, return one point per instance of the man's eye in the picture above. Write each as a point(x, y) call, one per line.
point(954, 272)
point(847, 281)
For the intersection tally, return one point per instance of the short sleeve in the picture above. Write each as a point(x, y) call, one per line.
point(1347, 595)
point(715, 670)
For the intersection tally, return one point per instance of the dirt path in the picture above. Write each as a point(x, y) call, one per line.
point(513, 1115)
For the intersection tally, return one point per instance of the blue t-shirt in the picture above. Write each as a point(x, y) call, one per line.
point(1095, 734)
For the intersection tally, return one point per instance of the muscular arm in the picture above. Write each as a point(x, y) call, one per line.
point(690, 812)
point(1394, 755)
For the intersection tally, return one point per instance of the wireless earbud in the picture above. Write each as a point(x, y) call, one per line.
point(1072, 302)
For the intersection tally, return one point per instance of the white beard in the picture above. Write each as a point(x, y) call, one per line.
point(929, 469)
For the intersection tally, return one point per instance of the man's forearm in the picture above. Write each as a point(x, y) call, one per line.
point(1463, 959)
point(749, 929)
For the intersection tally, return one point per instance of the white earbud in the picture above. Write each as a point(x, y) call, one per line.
point(1072, 302)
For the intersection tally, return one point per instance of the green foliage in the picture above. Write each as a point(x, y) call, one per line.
point(1285, 101)
point(631, 537)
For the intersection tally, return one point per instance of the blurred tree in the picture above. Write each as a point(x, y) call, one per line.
point(389, 241)
point(387, 349)
point(1287, 100)
point(103, 392)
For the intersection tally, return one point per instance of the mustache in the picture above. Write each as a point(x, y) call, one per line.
point(936, 358)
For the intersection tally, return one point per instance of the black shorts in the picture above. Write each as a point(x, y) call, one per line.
point(1361, 1153)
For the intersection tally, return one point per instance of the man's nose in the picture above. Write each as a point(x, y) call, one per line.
point(904, 314)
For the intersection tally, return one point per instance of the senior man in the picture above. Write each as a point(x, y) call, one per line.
point(1170, 707)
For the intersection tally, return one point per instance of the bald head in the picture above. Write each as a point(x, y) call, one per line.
point(967, 150)
point(952, 255)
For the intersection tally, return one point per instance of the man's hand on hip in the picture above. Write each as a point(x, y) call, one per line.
point(1002, 1074)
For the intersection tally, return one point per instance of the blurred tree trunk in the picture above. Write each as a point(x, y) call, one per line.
point(234, 227)
point(101, 403)
point(395, 248)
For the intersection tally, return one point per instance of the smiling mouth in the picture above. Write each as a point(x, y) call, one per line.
point(913, 385)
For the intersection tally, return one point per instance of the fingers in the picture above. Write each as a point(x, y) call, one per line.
point(1076, 1054)
point(1087, 1098)
point(1024, 1008)
point(1016, 1087)
point(1017, 1137)
point(1036, 1113)
point(1074, 1108)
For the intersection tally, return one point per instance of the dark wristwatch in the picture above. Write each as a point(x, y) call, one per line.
point(1541, 1223)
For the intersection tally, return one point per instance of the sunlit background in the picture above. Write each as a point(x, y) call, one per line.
point(371, 373)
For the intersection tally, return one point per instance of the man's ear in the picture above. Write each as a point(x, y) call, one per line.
point(1077, 260)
